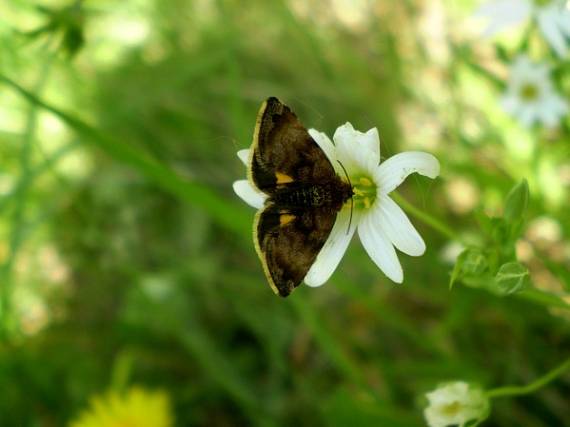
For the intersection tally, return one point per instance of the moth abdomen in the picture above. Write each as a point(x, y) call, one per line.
point(309, 196)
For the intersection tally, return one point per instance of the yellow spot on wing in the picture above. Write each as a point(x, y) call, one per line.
point(283, 178)
point(285, 219)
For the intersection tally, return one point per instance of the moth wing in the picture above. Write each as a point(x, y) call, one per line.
point(288, 242)
point(284, 152)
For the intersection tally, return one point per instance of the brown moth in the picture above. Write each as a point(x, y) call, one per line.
point(304, 196)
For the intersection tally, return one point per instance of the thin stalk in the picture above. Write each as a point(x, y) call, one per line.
point(36, 172)
point(7, 323)
point(532, 387)
point(426, 218)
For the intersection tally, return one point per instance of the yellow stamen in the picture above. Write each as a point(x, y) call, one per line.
point(529, 92)
point(364, 191)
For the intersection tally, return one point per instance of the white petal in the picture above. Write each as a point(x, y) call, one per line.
point(398, 228)
point(564, 21)
point(547, 21)
point(334, 248)
point(324, 142)
point(371, 140)
point(548, 118)
point(521, 68)
point(558, 104)
point(244, 156)
point(510, 103)
point(249, 194)
point(496, 9)
point(380, 248)
point(503, 14)
point(527, 115)
point(552, 108)
point(359, 152)
point(395, 170)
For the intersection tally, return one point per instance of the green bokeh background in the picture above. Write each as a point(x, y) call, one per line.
point(126, 258)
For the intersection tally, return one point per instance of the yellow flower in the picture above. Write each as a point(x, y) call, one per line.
point(134, 408)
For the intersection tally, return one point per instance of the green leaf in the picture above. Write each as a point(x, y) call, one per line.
point(471, 262)
point(455, 274)
point(516, 202)
point(502, 54)
point(512, 277)
point(475, 262)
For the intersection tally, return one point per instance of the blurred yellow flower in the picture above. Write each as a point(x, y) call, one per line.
point(134, 408)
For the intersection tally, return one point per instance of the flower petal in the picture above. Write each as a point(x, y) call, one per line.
point(334, 248)
point(370, 140)
point(503, 14)
point(380, 248)
point(249, 194)
point(398, 228)
point(547, 21)
point(511, 104)
point(564, 21)
point(391, 173)
point(244, 155)
point(324, 142)
point(550, 110)
point(527, 115)
point(358, 151)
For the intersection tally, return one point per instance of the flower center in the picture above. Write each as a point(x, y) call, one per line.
point(365, 191)
point(451, 409)
point(529, 92)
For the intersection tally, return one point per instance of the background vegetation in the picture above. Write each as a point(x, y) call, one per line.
point(125, 257)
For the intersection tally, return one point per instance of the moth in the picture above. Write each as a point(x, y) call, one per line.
point(304, 196)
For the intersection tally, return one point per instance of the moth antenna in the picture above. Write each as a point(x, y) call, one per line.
point(351, 199)
point(350, 219)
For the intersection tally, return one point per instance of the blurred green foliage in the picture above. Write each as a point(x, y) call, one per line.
point(127, 259)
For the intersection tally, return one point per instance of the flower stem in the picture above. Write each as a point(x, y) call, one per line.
point(530, 388)
point(427, 218)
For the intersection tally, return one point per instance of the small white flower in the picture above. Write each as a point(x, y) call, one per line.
point(381, 223)
point(455, 404)
point(552, 17)
point(530, 95)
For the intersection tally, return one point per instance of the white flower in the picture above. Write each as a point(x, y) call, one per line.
point(455, 404)
point(381, 223)
point(552, 16)
point(530, 96)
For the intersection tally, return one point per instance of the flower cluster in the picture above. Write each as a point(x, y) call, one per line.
point(531, 96)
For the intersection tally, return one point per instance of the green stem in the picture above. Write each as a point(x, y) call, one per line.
point(195, 193)
point(8, 324)
point(427, 219)
point(532, 387)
